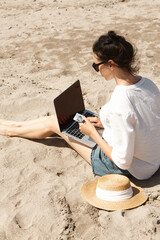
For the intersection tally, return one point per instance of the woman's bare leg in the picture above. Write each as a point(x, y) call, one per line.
point(42, 128)
point(21, 123)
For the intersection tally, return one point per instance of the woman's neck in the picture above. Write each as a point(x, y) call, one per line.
point(126, 79)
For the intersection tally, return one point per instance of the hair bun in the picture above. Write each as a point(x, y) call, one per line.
point(114, 37)
point(112, 34)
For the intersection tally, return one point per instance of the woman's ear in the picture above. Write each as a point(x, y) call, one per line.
point(112, 63)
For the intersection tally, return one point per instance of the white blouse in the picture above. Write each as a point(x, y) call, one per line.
point(131, 121)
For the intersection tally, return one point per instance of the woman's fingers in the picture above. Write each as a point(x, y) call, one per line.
point(93, 119)
point(86, 127)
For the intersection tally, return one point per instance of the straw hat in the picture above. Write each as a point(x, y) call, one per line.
point(113, 192)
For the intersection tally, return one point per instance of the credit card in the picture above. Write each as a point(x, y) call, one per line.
point(78, 117)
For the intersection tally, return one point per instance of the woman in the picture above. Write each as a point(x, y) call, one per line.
point(131, 119)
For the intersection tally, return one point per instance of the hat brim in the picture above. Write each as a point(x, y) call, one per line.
point(88, 192)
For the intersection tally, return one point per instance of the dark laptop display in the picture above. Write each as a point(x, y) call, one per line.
point(67, 104)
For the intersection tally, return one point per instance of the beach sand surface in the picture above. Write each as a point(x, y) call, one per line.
point(46, 45)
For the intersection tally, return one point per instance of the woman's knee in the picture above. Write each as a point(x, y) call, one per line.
point(52, 123)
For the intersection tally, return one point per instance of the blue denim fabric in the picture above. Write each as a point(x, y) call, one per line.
point(102, 165)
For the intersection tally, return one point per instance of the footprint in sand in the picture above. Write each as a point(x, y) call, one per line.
point(65, 220)
point(24, 219)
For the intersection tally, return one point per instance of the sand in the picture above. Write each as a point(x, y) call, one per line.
point(45, 46)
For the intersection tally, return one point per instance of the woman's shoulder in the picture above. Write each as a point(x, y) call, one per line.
point(142, 88)
point(120, 103)
point(125, 98)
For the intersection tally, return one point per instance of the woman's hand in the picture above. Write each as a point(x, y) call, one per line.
point(95, 122)
point(87, 127)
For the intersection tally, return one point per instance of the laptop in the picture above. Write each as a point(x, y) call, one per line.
point(67, 104)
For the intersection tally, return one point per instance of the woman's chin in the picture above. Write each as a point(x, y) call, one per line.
point(108, 79)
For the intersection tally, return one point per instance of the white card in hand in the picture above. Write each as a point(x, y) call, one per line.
point(78, 117)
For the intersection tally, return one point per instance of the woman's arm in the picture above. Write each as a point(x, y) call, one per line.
point(102, 144)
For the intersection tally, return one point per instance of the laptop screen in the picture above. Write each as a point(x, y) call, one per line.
point(68, 103)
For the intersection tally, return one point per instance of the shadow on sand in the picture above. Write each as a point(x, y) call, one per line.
point(53, 140)
point(153, 181)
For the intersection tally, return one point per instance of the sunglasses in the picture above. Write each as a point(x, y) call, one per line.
point(96, 66)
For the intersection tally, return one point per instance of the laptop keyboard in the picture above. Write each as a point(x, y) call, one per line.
point(74, 128)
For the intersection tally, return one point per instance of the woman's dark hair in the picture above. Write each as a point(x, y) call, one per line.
point(115, 47)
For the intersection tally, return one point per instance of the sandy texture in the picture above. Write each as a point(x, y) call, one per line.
point(46, 46)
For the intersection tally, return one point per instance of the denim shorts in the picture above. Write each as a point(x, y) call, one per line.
point(102, 165)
